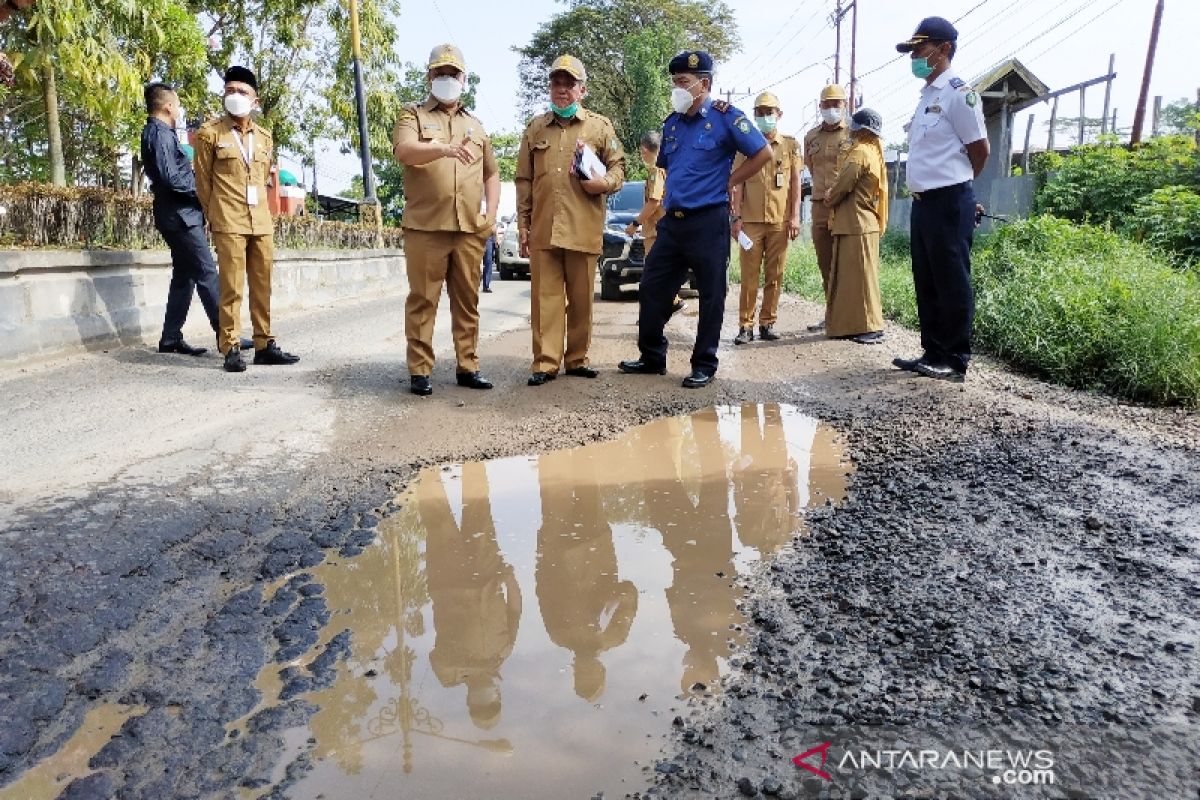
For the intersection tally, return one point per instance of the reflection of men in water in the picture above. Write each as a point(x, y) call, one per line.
point(699, 537)
point(764, 482)
point(584, 607)
point(476, 599)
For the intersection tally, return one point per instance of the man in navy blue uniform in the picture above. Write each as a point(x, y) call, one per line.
point(699, 142)
point(178, 217)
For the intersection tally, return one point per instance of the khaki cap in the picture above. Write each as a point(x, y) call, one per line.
point(767, 100)
point(570, 65)
point(447, 55)
point(833, 91)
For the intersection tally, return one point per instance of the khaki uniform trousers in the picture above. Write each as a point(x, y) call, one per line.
point(823, 243)
point(564, 282)
point(454, 258)
point(244, 259)
point(855, 304)
point(770, 254)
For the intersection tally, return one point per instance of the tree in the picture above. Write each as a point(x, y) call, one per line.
point(1070, 125)
point(505, 146)
point(597, 32)
point(1179, 117)
point(647, 53)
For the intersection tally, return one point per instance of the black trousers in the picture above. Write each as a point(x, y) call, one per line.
point(698, 240)
point(192, 268)
point(943, 226)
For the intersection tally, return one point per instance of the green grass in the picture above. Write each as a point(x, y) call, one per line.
point(1079, 305)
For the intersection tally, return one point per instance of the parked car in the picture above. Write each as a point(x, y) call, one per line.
point(623, 257)
point(511, 263)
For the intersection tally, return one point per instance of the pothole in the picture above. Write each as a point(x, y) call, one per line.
point(529, 626)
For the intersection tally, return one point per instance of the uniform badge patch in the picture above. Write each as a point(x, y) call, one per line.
point(743, 125)
point(957, 83)
point(972, 99)
point(693, 60)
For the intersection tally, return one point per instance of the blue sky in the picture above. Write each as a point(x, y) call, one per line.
point(1062, 43)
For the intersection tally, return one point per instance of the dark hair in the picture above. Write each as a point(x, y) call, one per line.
point(651, 140)
point(157, 95)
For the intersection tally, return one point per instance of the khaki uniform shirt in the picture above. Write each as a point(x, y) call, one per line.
point(223, 176)
point(765, 195)
point(445, 194)
point(656, 183)
point(552, 206)
point(822, 149)
point(855, 195)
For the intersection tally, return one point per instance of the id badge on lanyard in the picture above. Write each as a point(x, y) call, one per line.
point(247, 150)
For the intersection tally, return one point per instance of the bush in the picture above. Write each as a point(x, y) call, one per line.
point(38, 215)
point(1170, 218)
point(1088, 308)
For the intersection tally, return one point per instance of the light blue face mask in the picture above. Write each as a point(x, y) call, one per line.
point(765, 124)
point(565, 113)
point(921, 68)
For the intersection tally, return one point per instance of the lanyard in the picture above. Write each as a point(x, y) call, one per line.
point(248, 148)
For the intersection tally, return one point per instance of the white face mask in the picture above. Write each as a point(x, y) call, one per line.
point(831, 116)
point(238, 105)
point(446, 88)
point(681, 100)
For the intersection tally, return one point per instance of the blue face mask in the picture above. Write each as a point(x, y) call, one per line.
point(765, 124)
point(565, 113)
point(921, 68)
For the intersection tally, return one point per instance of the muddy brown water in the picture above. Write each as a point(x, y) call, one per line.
point(527, 627)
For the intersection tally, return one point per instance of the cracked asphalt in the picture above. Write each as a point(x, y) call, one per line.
point(1013, 559)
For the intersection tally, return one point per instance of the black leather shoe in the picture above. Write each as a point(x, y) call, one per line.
point(767, 333)
point(487, 291)
point(539, 378)
point(272, 355)
point(907, 364)
point(874, 337)
point(181, 347)
point(234, 361)
point(640, 367)
point(941, 372)
point(697, 380)
point(419, 385)
point(472, 380)
point(246, 344)
point(816, 326)
point(744, 336)
point(581, 372)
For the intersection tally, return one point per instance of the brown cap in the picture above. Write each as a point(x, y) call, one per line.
point(447, 55)
point(833, 91)
point(767, 100)
point(570, 65)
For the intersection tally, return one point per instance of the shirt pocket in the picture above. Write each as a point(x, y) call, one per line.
point(431, 132)
point(541, 158)
point(705, 141)
point(670, 144)
point(227, 159)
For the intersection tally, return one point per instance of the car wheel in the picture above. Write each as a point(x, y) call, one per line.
point(609, 288)
point(506, 274)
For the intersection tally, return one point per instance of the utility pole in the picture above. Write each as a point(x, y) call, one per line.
point(1139, 114)
point(1112, 62)
point(1157, 114)
point(360, 98)
point(853, 47)
point(837, 53)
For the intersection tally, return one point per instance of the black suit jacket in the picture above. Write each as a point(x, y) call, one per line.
point(172, 179)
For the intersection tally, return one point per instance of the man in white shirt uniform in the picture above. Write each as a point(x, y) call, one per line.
point(948, 148)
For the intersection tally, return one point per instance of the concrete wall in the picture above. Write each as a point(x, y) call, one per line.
point(58, 300)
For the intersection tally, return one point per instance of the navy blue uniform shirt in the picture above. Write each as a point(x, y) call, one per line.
point(171, 178)
point(697, 153)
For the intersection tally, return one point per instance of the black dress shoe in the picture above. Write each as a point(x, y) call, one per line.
point(246, 344)
point(472, 380)
point(272, 355)
point(539, 378)
point(697, 380)
point(874, 337)
point(744, 336)
point(907, 364)
point(487, 291)
point(181, 347)
point(582, 372)
point(767, 333)
point(941, 372)
point(640, 367)
point(234, 361)
point(419, 385)
point(817, 326)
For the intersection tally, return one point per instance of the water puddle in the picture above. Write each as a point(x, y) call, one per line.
point(51, 776)
point(526, 626)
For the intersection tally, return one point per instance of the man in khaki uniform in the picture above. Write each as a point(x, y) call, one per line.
point(822, 148)
point(767, 209)
point(449, 175)
point(560, 217)
point(233, 161)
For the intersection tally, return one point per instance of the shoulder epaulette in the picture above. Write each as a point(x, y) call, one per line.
point(721, 105)
point(957, 83)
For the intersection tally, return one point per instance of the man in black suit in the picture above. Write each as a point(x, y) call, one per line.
point(179, 219)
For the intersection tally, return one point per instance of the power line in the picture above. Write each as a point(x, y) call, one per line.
point(971, 10)
point(779, 32)
point(782, 80)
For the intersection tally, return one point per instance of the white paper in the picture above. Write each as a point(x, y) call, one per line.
point(591, 164)
point(745, 241)
point(251, 195)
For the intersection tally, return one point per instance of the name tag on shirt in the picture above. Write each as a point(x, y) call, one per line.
point(778, 180)
point(251, 195)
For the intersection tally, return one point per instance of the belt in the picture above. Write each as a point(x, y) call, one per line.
point(684, 213)
point(940, 189)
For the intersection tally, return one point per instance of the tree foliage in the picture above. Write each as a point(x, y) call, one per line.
point(599, 33)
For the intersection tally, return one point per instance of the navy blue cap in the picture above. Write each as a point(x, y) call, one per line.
point(241, 75)
point(691, 61)
point(931, 29)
